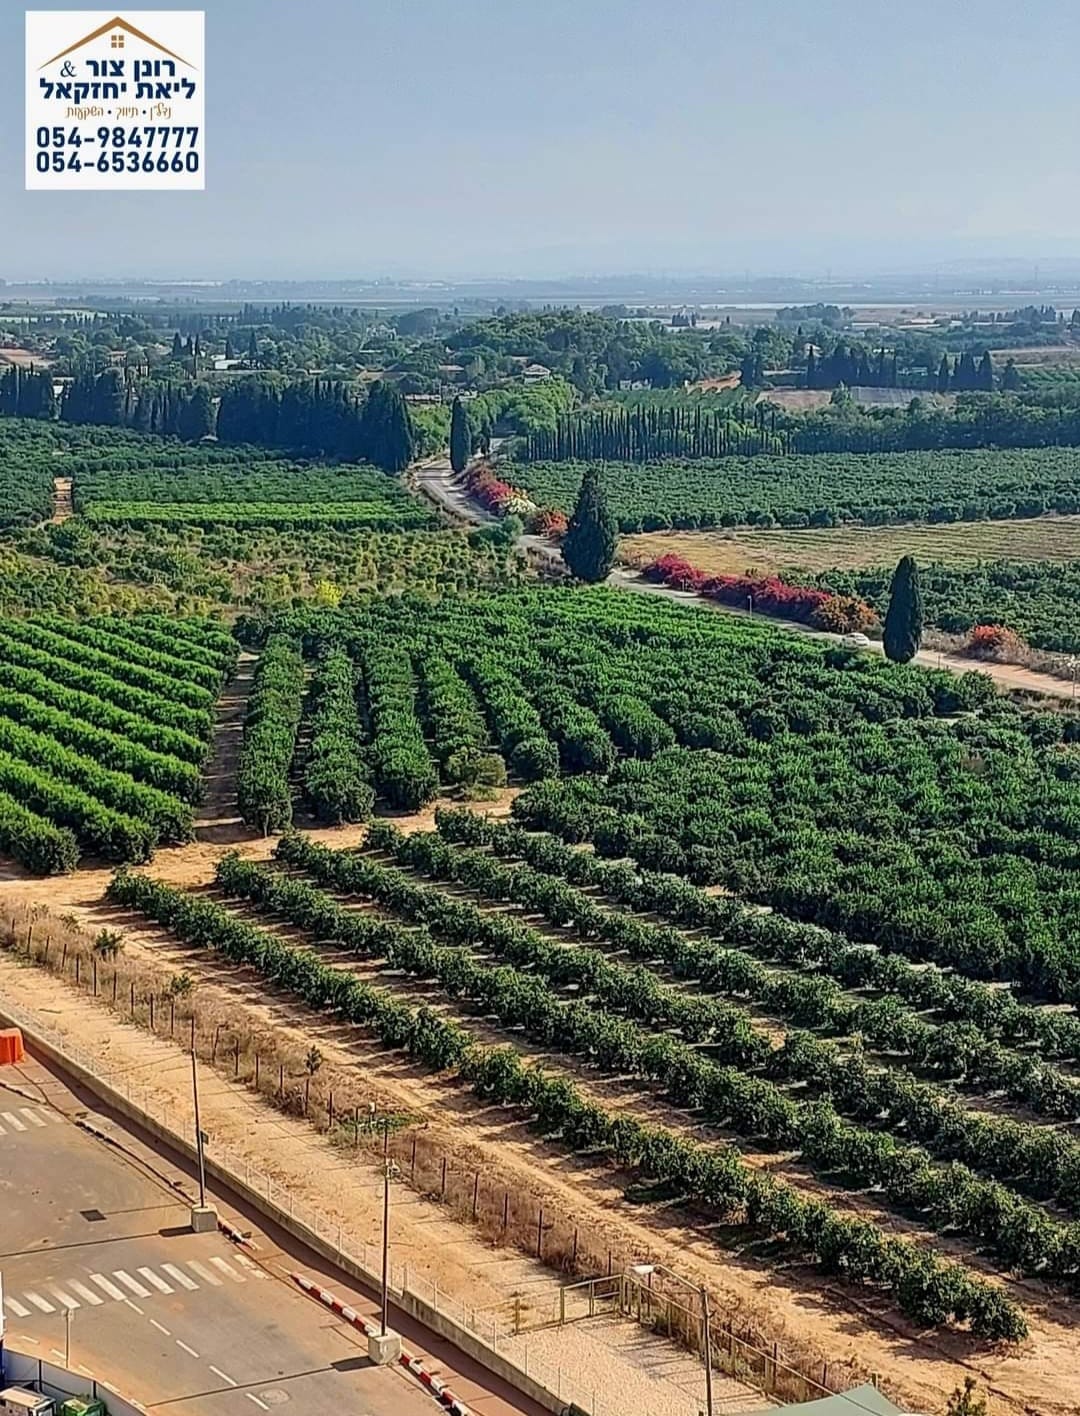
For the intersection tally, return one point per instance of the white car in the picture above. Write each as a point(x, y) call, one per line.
point(855, 641)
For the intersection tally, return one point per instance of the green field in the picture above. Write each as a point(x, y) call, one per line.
point(820, 489)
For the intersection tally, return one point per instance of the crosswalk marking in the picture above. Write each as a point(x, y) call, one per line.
point(13, 1121)
point(31, 1116)
point(153, 1280)
point(227, 1269)
point(132, 1283)
point(75, 1292)
point(179, 1276)
point(204, 1273)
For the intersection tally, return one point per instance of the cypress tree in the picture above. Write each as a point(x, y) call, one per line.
point(591, 538)
point(177, 346)
point(985, 373)
point(1010, 379)
point(904, 617)
point(460, 437)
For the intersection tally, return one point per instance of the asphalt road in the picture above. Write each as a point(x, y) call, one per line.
point(184, 1323)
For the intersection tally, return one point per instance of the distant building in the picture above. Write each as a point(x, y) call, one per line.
point(536, 373)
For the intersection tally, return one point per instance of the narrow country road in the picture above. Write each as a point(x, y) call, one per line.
point(437, 480)
point(62, 508)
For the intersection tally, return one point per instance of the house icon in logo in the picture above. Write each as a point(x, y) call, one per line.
point(119, 28)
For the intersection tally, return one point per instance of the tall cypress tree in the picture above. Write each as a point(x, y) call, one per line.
point(591, 538)
point(460, 437)
point(904, 617)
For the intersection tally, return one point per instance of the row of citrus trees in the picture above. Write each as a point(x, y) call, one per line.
point(931, 1291)
point(1039, 1158)
point(732, 1084)
point(104, 725)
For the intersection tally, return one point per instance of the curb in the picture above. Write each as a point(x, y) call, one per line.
point(412, 1364)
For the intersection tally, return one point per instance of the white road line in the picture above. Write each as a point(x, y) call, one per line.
point(154, 1323)
point(39, 1302)
point(23, 1338)
point(86, 1294)
point(31, 1116)
point(179, 1276)
point(189, 1350)
point(153, 1280)
point(13, 1121)
point(107, 1286)
point(132, 1283)
point(223, 1375)
point(262, 1404)
point(256, 1271)
point(16, 1307)
point(56, 1352)
point(227, 1268)
point(204, 1273)
point(66, 1298)
point(134, 1307)
point(2, 1131)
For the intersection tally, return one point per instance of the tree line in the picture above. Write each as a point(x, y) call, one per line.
point(646, 432)
point(318, 416)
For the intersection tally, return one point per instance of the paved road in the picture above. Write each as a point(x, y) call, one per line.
point(437, 480)
point(184, 1323)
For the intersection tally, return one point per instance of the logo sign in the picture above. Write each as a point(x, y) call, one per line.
point(115, 102)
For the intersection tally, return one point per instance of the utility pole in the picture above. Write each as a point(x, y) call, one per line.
point(386, 1225)
point(198, 1131)
point(67, 1338)
point(708, 1352)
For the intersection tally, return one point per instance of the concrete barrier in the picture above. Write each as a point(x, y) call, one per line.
point(24, 1369)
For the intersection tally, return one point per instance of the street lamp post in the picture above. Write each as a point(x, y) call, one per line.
point(646, 1271)
point(67, 1338)
point(198, 1132)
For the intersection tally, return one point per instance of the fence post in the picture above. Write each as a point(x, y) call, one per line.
point(133, 1000)
point(356, 1133)
point(540, 1233)
point(257, 1060)
point(78, 961)
point(151, 1012)
point(330, 1112)
point(93, 962)
point(191, 1042)
point(475, 1192)
point(281, 1079)
point(114, 977)
point(172, 1017)
point(574, 1257)
point(442, 1194)
point(412, 1168)
point(506, 1209)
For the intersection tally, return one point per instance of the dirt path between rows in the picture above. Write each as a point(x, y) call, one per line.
point(63, 509)
point(219, 821)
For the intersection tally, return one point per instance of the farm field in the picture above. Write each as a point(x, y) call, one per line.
point(842, 1082)
point(104, 729)
point(733, 552)
point(820, 489)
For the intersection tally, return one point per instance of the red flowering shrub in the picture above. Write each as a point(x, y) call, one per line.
point(490, 491)
point(994, 641)
point(766, 595)
point(845, 614)
point(548, 522)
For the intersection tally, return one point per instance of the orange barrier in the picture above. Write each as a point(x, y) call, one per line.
point(11, 1046)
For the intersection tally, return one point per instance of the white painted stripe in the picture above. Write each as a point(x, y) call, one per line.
point(179, 1276)
point(16, 1307)
point(31, 1116)
point(39, 1302)
point(66, 1298)
point(223, 1375)
point(13, 1121)
point(2, 1131)
point(189, 1350)
point(204, 1273)
point(57, 1353)
point(51, 1115)
point(134, 1307)
point(86, 1294)
point(154, 1323)
point(254, 1269)
point(107, 1286)
point(153, 1280)
point(261, 1404)
point(227, 1269)
point(133, 1284)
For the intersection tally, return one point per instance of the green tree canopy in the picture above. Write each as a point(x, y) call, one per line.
point(460, 436)
point(904, 617)
point(589, 547)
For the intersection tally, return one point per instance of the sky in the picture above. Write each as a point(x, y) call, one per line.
point(466, 138)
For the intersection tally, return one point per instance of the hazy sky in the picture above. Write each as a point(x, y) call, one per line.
point(534, 137)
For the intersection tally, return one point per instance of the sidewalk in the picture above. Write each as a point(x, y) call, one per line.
point(626, 1367)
